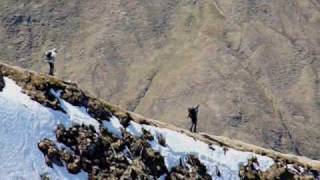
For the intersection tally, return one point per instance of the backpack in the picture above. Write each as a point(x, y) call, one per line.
point(192, 113)
point(49, 55)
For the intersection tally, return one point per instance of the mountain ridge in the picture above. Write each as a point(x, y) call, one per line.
point(32, 79)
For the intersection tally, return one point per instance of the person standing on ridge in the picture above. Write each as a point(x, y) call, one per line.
point(193, 115)
point(50, 58)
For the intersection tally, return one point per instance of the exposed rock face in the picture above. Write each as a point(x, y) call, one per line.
point(281, 170)
point(196, 168)
point(102, 155)
point(252, 64)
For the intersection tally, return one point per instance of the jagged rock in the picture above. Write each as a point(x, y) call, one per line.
point(175, 176)
point(178, 173)
point(95, 170)
point(74, 168)
point(86, 164)
point(154, 162)
point(138, 168)
point(194, 170)
point(75, 96)
point(129, 174)
point(128, 138)
point(147, 135)
point(138, 146)
point(44, 145)
point(148, 154)
point(98, 111)
point(60, 132)
point(280, 170)
point(242, 171)
point(44, 176)
point(198, 167)
point(66, 156)
point(161, 140)
point(218, 173)
point(2, 82)
point(118, 145)
point(144, 121)
point(48, 161)
point(51, 152)
point(124, 119)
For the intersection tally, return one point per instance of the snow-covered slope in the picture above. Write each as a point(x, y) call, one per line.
point(180, 145)
point(24, 122)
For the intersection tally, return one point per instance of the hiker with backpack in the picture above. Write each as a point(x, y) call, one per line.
point(193, 115)
point(50, 58)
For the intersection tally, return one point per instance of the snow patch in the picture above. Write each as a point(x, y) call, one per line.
point(180, 145)
point(113, 126)
point(77, 115)
point(23, 124)
point(135, 129)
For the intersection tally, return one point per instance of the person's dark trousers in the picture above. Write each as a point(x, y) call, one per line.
point(51, 70)
point(193, 127)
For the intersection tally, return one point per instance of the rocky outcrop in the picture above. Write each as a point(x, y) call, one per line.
point(281, 170)
point(103, 155)
point(196, 170)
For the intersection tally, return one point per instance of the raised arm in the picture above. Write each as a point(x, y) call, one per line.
point(197, 107)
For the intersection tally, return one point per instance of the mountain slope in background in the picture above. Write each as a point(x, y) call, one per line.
point(82, 137)
point(251, 64)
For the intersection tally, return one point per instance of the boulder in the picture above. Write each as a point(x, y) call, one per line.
point(74, 168)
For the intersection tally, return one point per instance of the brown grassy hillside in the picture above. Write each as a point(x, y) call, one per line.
point(253, 65)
